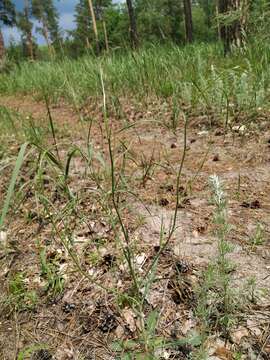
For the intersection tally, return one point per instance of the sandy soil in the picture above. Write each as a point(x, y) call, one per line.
point(83, 321)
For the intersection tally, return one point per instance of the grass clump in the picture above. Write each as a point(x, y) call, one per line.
point(197, 75)
point(19, 298)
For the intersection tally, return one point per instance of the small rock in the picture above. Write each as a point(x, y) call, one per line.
point(173, 146)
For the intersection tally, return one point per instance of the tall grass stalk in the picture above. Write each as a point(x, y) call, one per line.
point(12, 184)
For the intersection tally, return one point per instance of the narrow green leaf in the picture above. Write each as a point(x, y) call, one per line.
point(152, 322)
point(11, 187)
point(70, 156)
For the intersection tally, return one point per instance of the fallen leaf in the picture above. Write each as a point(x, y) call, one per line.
point(187, 326)
point(130, 319)
point(239, 334)
point(3, 238)
point(223, 353)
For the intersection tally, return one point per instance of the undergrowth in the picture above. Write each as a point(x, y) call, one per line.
point(45, 190)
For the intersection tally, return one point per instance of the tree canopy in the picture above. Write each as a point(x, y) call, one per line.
point(110, 25)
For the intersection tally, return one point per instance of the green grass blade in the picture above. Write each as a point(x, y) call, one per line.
point(11, 187)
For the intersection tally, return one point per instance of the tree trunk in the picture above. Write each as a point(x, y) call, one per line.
point(188, 21)
point(208, 15)
point(133, 25)
point(233, 33)
point(45, 32)
point(87, 43)
point(2, 46)
point(105, 35)
point(243, 7)
point(93, 16)
point(218, 23)
point(225, 30)
point(30, 47)
point(29, 37)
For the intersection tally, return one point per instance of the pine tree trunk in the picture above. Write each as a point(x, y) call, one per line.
point(133, 25)
point(218, 23)
point(105, 35)
point(47, 39)
point(87, 43)
point(234, 32)
point(30, 46)
point(93, 16)
point(188, 21)
point(242, 6)
point(208, 16)
point(225, 30)
point(29, 37)
point(2, 46)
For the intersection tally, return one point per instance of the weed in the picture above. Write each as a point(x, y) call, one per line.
point(216, 300)
point(50, 272)
point(14, 177)
point(19, 298)
point(258, 238)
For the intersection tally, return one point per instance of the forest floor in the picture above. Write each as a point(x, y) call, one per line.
point(49, 309)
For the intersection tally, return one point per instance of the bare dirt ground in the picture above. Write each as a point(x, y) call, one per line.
point(84, 320)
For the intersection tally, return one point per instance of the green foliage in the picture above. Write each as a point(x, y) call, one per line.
point(46, 13)
point(259, 20)
point(25, 24)
point(12, 184)
point(29, 350)
point(197, 75)
point(19, 298)
point(160, 20)
point(106, 13)
point(216, 300)
point(258, 238)
point(7, 12)
point(150, 346)
point(208, 7)
point(49, 271)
